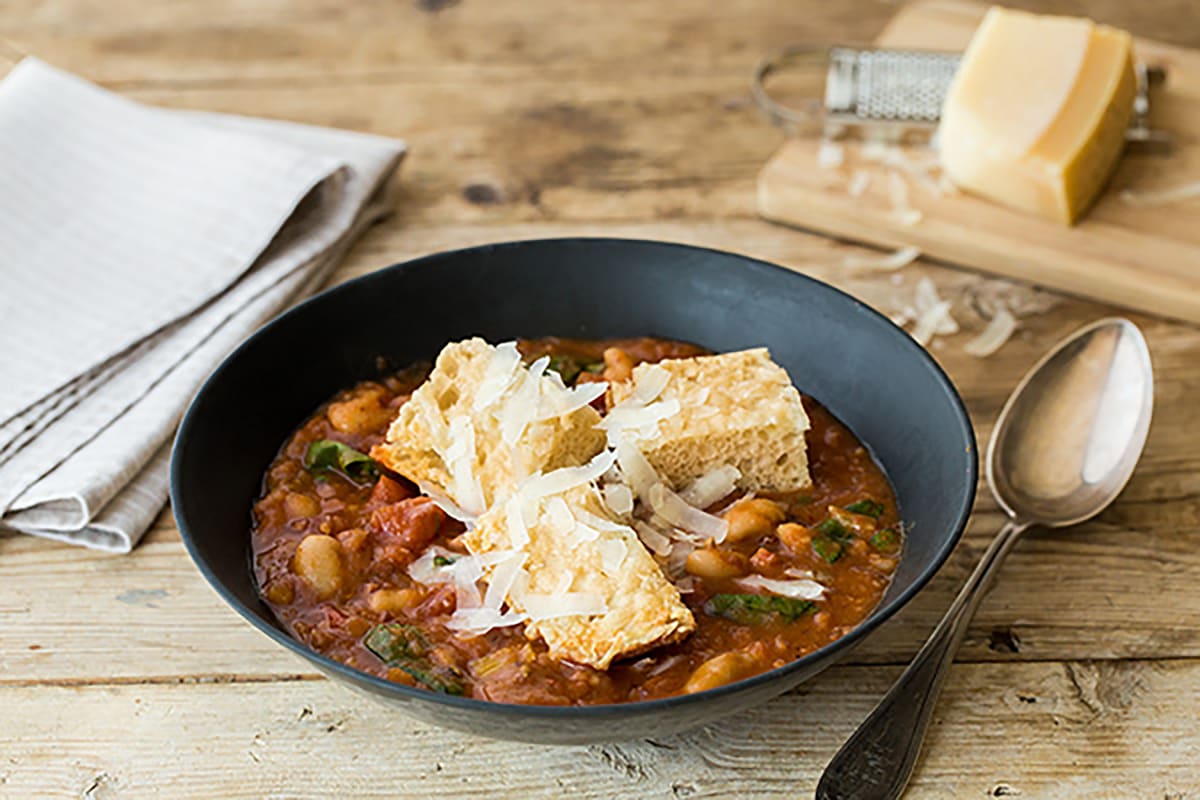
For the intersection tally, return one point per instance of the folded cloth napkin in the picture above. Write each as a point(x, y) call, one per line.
point(138, 246)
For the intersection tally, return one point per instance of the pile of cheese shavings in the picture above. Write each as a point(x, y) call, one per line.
point(669, 524)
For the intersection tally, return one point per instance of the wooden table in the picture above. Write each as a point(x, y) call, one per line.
point(125, 676)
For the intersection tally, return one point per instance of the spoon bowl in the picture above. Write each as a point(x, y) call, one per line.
point(1064, 446)
point(1071, 433)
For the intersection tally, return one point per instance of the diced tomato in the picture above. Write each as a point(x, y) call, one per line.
point(411, 524)
point(388, 490)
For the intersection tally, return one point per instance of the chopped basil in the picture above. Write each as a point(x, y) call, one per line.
point(442, 561)
point(757, 609)
point(867, 507)
point(827, 548)
point(405, 647)
point(594, 367)
point(834, 530)
point(886, 540)
point(326, 454)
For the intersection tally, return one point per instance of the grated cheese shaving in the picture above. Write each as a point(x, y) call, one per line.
point(711, 487)
point(502, 579)
point(993, 337)
point(612, 554)
point(801, 589)
point(931, 306)
point(673, 509)
point(830, 155)
point(541, 607)
point(654, 539)
point(886, 263)
point(1161, 197)
point(479, 621)
point(860, 179)
point(502, 370)
point(650, 384)
point(619, 498)
point(560, 480)
point(424, 571)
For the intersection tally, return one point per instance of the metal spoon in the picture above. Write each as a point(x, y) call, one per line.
point(1063, 448)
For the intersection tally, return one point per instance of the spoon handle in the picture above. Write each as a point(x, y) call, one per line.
point(877, 761)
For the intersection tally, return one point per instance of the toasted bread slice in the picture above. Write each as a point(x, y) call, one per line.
point(578, 551)
point(472, 431)
point(737, 409)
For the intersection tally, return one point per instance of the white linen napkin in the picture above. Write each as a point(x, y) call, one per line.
point(138, 246)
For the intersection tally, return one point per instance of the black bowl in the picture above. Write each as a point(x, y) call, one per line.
point(864, 369)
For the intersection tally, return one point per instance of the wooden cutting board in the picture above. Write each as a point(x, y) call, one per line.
point(1143, 258)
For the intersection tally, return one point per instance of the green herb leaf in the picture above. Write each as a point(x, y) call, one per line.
point(866, 507)
point(442, 561)
point(834, 530)
point(757, 609)
point(827, 548)
point(567, 367)
point(326, 454)
point(886, 540)
point(405, 647)
point(594, 367)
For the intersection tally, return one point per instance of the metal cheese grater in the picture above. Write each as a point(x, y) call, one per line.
point(895, 95)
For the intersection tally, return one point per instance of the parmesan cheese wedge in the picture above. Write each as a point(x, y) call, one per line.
point(1036, 115)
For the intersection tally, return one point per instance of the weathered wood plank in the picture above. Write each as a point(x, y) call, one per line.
point(1048, 730)
point(198, 40)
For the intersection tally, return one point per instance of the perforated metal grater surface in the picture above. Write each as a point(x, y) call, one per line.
point(903, 89)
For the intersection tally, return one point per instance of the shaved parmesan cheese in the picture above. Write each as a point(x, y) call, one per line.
point(613, 551)
point(619, 498)
point(502, 579)
point(711, 487)
point(802, 589)
point(423, 570)
point(929, 321)
point(830, 155)
point(637, 421)
point(930, 306)
point(540, 607)
point(1161, 197)
point(559, 515)
point(636, 469)
point(654, 540)
point(521, 407)
point(993, 337)
point(892, 261)
point(650, 384)
point(860, 179)
point(597, 522)
point(795, 572)
point(501, 371)
point(559, 404)
point(460, 462)
point(560, 480)
point(673, 509)
point(518, 527)
point(478, 621)
point(446, 504)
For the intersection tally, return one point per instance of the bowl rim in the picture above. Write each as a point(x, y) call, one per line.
point(830, 652)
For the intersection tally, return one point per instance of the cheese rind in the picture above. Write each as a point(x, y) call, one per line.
point(1036, 115)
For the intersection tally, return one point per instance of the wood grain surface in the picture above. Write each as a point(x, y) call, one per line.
point(126, 676)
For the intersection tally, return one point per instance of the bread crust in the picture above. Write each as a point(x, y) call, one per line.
point(737, 409)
